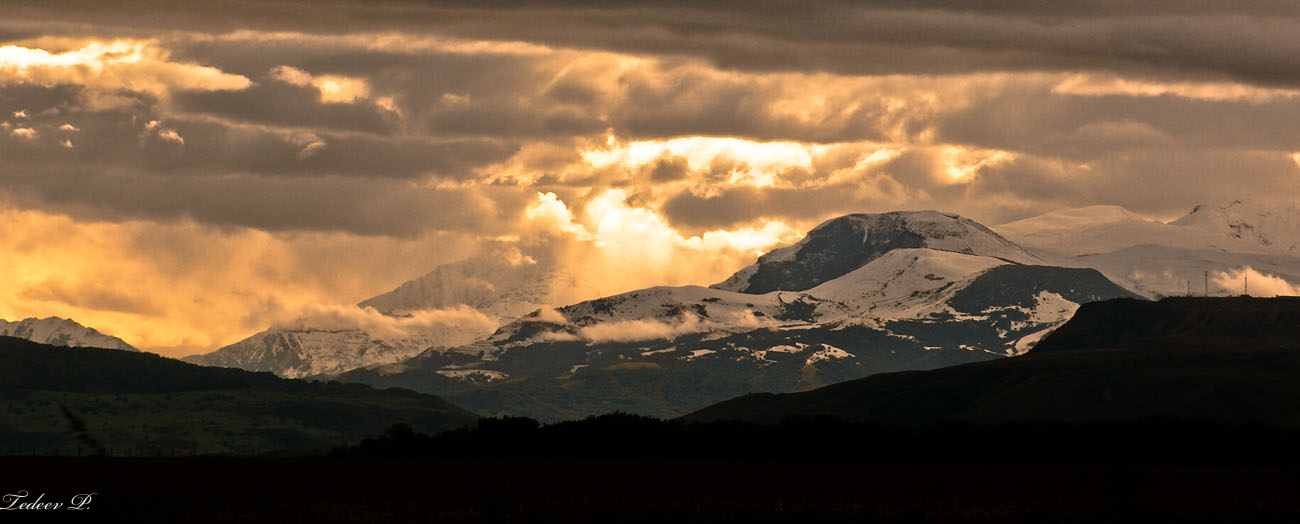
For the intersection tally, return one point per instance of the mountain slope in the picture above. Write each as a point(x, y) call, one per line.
point(143, 403)
point(1226, 359)
point(61, 332)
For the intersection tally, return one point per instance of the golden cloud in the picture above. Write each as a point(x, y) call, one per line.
point(132, 65)
point(334, 89)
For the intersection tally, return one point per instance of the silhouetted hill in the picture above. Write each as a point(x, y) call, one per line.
point(1226, 360)
point(139, 403)
point(1182, 322)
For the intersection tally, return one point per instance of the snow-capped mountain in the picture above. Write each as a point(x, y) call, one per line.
point(1238, 227)
point(838, 246)
point(1273, 230)
point(57, 331)
point(1166, 259)
point(301, 352)
point(861, 294)
point(496, 285)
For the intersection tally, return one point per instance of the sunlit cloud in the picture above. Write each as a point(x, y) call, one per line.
point(334, 89)
point(641, 329)
point(961, 163)
point(155, 128)
point(549, 213)
point(1110, 85)
point(133, 65)
point(762, 161)
point(384, 41)
point(615, 246)
point(1248, 280)
point(412, 323)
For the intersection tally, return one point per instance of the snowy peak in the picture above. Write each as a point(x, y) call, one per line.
point(61, 332)
point(841, 245)
point(1276, 230)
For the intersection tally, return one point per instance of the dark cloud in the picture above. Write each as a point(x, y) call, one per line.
point(123, 139)
point(436, 111)
point(1246, 40)
point(331, 203)
point(274, 103)
point(738, 206)
point(668, 169)
point(1030, 117)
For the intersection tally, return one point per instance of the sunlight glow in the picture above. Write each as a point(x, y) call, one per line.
point(121, 64)
point(960, 164)
point(334, 89)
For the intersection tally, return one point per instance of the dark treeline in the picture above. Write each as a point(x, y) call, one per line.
point(623, 436)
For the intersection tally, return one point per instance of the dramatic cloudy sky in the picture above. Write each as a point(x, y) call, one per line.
point(183, 174)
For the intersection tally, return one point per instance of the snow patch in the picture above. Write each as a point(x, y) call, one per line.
point(828, 352)
point(698, 353)
point(1029, 341)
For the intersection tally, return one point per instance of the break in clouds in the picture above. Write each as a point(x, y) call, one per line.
point(219, 167)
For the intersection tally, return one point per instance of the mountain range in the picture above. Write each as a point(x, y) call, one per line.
point(860, 294)
point(844, 322)
point(57, 331)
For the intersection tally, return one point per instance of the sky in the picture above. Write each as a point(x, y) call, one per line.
point(184, 174)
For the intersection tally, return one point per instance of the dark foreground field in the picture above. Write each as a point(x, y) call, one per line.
point(378, 490)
